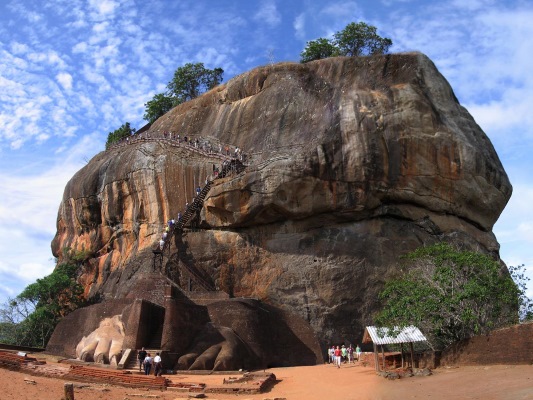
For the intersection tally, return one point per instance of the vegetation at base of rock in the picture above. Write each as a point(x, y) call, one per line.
point(188, 82)
point(30, 318)
point(525, 311)
point(450, 295)
point(119, 134)
point(356, 39)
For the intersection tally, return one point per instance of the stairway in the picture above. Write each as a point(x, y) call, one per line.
point(234, 165)
point(133, 362)
point(197, 277)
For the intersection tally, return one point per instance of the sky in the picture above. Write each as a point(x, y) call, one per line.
point(71, 71)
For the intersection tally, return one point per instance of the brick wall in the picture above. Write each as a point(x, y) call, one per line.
point(513, 345)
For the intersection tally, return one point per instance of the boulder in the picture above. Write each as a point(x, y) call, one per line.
point(349, 164)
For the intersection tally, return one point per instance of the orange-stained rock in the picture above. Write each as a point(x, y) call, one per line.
point(351, 162)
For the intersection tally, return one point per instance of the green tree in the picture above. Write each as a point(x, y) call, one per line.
point(356, 39)
point(191, 80)
point(158, 106)
point(525, 312)
point(117, 135)
point(30, 318)
point(318, 49)
point(450, 295)
point(360, 39)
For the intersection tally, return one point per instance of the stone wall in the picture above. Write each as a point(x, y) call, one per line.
point(512, 345)
point(80, 323)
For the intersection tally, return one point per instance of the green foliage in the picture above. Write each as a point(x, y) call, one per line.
point(158, 106)
point(188, 82)
point(121, 133)
point(354, 40)
point(525, 312)
point(318, 49)
point(30, 318)
point(450, 295)
point(360, 39)
point(191, 80)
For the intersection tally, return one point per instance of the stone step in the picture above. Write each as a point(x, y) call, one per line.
point(123, 378)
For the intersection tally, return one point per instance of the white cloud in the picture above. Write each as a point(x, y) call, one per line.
point(103, 8)
point(299, 26)
point(19, 48)
point(65, 80)
point(80, 47)
point(341, 9)
point(268, 13)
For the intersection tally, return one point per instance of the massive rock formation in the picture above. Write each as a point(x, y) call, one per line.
point(351, 162)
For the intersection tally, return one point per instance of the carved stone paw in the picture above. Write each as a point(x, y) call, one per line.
point(216, 348)
point(104, 344)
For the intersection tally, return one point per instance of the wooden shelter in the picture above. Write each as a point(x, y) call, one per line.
point(383, 336)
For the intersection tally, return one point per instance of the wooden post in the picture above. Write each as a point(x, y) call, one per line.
point(69, 391)
point(376, 359)
point(383, 355)
point(412, 355)
point(401, 347)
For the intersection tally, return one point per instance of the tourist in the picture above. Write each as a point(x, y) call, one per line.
point(331, 354)
point(161, 244)
point(198, 190)
point(358, 352)
point(350, 354)
point(344, 353)
point(157, 365)
point(147, 364)
point(338, 355)
point(141, 356)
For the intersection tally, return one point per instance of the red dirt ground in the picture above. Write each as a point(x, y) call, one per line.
point(321, 382)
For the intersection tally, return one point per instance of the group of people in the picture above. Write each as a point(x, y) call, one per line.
point(168, 229)
point(205, 145)
point(170, 224)
point(343, 354)
point(146, 362)
point(198, 143)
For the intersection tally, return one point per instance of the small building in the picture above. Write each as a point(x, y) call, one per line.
point(384, 336)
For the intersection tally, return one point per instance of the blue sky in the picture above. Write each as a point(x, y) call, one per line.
point(73, 70)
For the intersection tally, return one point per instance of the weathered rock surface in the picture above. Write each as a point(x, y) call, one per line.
point(352, 162)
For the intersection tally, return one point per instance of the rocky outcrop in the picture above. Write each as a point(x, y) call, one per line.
point(351, 162)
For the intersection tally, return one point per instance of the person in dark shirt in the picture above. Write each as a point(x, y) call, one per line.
point(141, 356)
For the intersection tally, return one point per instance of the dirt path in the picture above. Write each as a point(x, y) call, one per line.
point(321, 382)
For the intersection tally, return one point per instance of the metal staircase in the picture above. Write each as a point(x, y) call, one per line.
point(228, 167)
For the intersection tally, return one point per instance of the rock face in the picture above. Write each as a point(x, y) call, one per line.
point(351, 162)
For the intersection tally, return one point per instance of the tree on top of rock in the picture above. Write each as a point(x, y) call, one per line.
point(119, 134)
point(354, 40)
point(191, 80)
point(188, 82)
point(318, 49)
point(361, 39)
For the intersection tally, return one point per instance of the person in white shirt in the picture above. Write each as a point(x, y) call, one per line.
point(157, 365)
point(147, 364)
